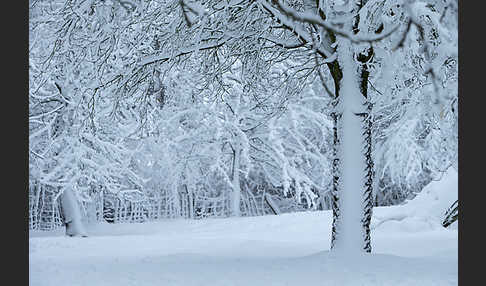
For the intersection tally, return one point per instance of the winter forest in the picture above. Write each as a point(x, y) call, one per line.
point(243, 142)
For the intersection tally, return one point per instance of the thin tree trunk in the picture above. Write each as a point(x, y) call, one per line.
point(337, 75)
point(36, 205)
point(235, 181)
point(368, 142)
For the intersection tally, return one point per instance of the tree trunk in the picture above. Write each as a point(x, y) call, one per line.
point(235, 181)
point(352, 164)
point(72, 214)
point(368, 141)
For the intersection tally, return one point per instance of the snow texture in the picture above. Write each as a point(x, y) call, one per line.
point(410, 247)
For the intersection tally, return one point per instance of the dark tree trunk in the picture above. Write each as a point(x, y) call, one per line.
point(367, 126)
point(337, 75)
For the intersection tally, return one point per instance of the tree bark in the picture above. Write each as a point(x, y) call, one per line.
point(368, 141)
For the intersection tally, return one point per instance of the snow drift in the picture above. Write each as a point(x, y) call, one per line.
point(424, 212)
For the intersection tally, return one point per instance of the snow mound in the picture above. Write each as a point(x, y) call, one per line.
point(424, 212)
point(436, 197)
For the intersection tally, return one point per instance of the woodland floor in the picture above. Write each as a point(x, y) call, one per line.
point(290, 249)
point(410, 247)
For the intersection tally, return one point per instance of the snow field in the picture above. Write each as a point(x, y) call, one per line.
point(410, 247)
point(290, 249)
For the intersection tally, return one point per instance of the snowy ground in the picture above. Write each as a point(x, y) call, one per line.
point(410, 247)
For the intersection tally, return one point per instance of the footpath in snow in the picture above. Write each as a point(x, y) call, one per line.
point(410, 247)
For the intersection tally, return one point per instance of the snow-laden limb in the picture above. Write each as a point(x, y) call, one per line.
point(312, 18)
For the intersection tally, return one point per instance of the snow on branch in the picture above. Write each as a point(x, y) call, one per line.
point(310, 18)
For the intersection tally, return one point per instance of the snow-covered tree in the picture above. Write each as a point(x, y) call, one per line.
point(297, 96)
